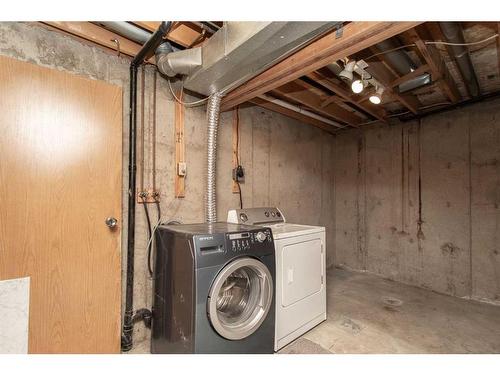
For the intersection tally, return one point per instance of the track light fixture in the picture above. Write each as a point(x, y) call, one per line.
point(376, 98)
point(346, 74)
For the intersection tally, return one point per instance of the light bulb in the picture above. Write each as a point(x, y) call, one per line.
point(375, 99)
point(357, 86)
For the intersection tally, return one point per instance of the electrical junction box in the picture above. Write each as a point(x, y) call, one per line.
point(238, 174)
point(181, 169)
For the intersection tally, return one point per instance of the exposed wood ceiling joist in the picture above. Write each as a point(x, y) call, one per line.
point(437, 35)
point(292, 114)
point(379, 71)
point(437, 66)
point(329, 84)
point(353, 38)
point(306, 94)
point(407, 77)
point(98, 35)
point(498, 48)
point(184, 33)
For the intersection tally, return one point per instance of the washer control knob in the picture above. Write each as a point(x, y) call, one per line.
point(261, 236)
point(243, 217)
point(266, 213)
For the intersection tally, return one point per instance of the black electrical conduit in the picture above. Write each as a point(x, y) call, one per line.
point(147, 50)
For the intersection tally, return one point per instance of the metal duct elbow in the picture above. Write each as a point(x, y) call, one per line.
point(452, 32)
point(213, 112)
point(182, 62)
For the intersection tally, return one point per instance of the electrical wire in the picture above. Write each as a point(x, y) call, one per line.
point(150, 231)
point(431, 42)
point(158, 208)
point(238, 152)
point(190, 104)
point(462, 44)
point(389, 51)
point(149, 245)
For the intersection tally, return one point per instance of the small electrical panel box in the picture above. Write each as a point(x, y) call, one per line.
point(181, 169)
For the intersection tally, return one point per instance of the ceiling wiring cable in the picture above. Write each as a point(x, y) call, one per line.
point(462, 44)
point(190, 104)
point(432, 42)
point(390, 50)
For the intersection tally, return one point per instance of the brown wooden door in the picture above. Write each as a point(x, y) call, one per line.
point(60, 177)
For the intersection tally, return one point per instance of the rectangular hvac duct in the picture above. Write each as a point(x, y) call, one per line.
point(241, 50)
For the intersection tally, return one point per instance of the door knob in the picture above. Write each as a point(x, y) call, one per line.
point(111, 222)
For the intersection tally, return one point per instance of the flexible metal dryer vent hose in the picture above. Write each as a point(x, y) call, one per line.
point(213, 111)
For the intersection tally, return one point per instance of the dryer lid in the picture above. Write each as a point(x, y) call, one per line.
point(285, 230)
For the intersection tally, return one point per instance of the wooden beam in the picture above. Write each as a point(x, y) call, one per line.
point(98, 35)
point(344, 94)
point(184, 33)
point(180, 157)
point(332, 99)
point(407, 77)
point(437, 67)
point(498, 48)
point(352, 38)
point(292, 114)
point(308, 95)
point(378, 70)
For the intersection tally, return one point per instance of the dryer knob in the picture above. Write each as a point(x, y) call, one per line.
point(261, 236)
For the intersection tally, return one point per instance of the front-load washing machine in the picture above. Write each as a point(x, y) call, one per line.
point(213, 289)
point(300, 271)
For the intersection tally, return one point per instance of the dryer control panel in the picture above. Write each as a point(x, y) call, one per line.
point(256, 216)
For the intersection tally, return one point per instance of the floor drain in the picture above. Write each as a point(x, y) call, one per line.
point(391, 301)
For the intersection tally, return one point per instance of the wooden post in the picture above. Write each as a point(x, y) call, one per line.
point(179, 149)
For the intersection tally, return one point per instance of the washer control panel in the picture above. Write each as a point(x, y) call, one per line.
point(248, 241)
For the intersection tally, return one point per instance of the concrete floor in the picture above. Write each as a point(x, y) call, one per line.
point(369, 314)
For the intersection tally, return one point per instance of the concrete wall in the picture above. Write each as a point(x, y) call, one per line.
point(419, 202)
point(288, 164)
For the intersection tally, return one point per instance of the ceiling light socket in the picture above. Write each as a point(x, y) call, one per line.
point(358, 86)
point(346, 74)
point(376, 98)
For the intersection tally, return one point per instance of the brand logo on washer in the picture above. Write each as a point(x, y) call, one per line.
point(208, 238)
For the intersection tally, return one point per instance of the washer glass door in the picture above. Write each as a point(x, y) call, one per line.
point(240, 298)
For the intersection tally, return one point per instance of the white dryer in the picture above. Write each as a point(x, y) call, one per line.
point(300, 271)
